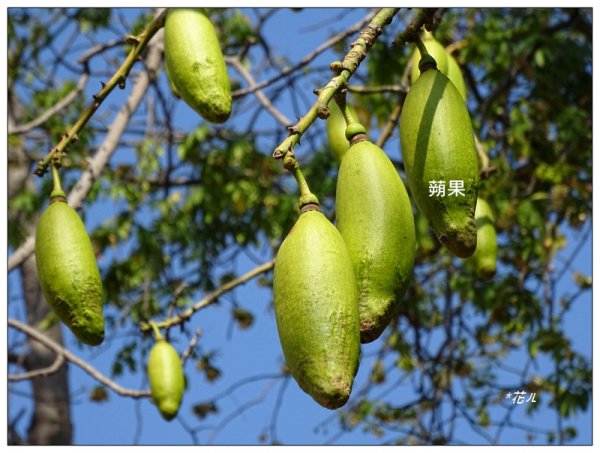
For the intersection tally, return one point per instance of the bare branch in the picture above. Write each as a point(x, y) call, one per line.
point(211, 298)
point(41, 372)
point(68, 355)
point(193, 342)
point(395, 115)
point(360, 89)
point(119, 78)
point(106, 149)
point(260, 96)
point(60, 105)
point(344, 71)
point(308, 58)
point(240, 410)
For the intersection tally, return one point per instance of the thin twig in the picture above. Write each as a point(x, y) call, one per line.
point(260, 96)
point(307, 59)
point(190, 349)
point(240, 410)
point(210, 298)
point(344, 69)
point(60, 105)
point(118, 79)
point(68, 355)
point(106, 149)
point(392, 122)
point(41, 372)
point(360, 89)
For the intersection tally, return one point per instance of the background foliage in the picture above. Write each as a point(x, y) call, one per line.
point(184, 207)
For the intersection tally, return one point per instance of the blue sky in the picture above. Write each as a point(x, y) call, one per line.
point(246, 353)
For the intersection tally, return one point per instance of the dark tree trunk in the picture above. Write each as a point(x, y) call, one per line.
point(51, 419)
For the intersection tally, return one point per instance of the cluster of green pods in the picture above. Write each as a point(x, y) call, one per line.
point(323, 273)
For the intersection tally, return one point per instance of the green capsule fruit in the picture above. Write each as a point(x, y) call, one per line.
point(195, 63)
point(336, 125)
point(486, 252)
point(68, 272)
point(438, 150)
point(375, 218)
point(316, 309)
point(436, 50)
point(167, 381)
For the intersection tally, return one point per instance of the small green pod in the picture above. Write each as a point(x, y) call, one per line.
point(167, 381)
point(374, 216)
point(440, 158)
point(486, 252)
point(195, 63)
point(68, 271)
point(336, 126)
point(316, 309)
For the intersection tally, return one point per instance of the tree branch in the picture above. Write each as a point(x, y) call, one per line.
point(260, 96)
point(68, 355)
point(210, 298)
point(307, 59)
point(345, 70)
point(41, 372)
point(190, 349)
point(106, 149)
point(118, 79)
point(60, 105)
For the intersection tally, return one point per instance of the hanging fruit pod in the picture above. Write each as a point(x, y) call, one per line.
point(316, 309)
point(374, 216)
point(195, 63)
point(440, 158)
point(68, 272)
point(167, 382)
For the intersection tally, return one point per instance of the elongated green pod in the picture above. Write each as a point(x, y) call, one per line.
point(316, 308)
point(374, 216)
point(336, 127)
point(436, 50)
point(486, 252)
point(167, 381)
point(68, 272)
point(195, 63)
point(438, 150)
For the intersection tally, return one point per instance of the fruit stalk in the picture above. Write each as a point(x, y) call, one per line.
point(306, 196)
